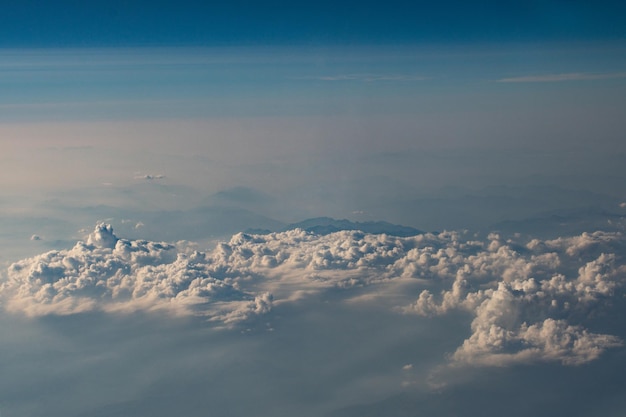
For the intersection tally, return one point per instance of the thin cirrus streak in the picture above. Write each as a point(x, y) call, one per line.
point(367, 77)
point(571, 76)
point(529, 301)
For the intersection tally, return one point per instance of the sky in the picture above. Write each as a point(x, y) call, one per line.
point(156, 159)
point(166, 22)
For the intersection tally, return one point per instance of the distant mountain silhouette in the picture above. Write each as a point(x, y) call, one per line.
point(326, 225)
point(551, 225)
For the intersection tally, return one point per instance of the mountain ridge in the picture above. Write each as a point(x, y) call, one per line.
point(327, 225)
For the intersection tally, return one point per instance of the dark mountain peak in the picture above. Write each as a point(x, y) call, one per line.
point(327, 225)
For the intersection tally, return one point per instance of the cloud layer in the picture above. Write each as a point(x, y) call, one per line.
point(528, 301)
point(111, 274)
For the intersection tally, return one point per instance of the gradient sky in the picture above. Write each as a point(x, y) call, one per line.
point(123, 23)
point(322, 130)
point(368, 111)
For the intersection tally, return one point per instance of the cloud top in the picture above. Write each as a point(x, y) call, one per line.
point(111, 274)
point(528, 301)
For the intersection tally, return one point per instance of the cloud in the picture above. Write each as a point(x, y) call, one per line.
point(369, 77)
point(572, 76)
point(111, 274)
point(529, 301)
point(549, 340)
point(239, 278)
point(149, 177)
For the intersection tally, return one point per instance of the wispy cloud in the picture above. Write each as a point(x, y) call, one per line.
point(82, 104)
point(571, 76)
point(149, 177)
point(368, 77)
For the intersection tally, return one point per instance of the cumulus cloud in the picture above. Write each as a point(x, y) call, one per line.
point(241, 277)
point(528, 301)
point(230, 283)
point(111, 274)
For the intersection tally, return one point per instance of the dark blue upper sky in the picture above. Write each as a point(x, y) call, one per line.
point(38, 23)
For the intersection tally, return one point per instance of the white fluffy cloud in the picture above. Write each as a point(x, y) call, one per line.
point(528, 302)
point(524, 299)
point(111, 274)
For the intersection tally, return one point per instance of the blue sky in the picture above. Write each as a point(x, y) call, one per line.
point(119, 23)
